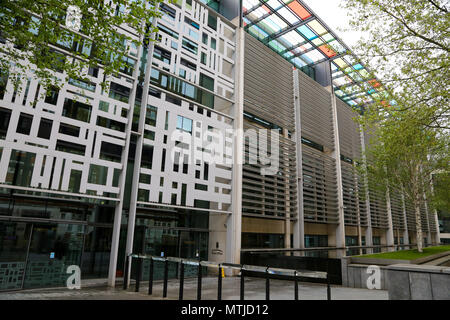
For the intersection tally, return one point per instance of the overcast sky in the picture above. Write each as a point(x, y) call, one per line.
point(335, 17)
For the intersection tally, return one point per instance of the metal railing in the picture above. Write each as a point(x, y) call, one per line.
point(266, 272)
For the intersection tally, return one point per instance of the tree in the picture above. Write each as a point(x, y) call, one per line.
point(404, 157)
point(69, 36)
point(408, 42)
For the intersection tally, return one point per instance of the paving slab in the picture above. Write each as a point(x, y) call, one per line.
point(254, 290)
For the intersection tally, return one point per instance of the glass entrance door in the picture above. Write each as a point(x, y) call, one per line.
point(53, 247)
point(193, 245)
point(14, 241)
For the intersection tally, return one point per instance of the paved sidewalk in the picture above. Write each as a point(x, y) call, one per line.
point(254, 290)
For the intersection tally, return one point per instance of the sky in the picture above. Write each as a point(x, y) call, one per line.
point(335, 17)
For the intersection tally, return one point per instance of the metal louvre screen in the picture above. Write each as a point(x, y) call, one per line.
point(378, 207)
point(320, 201)
point(410, 217)
point(349, 136)
point(270, 195)
point(316, 112)
point(352, 183)
point(268, 105)
point(268, 85)
point(398, 221)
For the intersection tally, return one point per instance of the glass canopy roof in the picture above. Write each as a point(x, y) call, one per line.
point(294, 31)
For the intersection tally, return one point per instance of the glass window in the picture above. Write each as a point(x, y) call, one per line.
point(119, 92)
point(110, 124)
point(103, 106)
point(70, 147)
point(184, 124)
point(24, 124)
point(147, 156)
point(206, 82)
point(69, 129)
point(162, 54)
point(203, 58)
point(150, 116)
point(190, 46)
point(52, 95)
point(45, 128)
point(5, 115)
point(110, 152)
point(76, 110)
point(212, 21)
point(20, 169)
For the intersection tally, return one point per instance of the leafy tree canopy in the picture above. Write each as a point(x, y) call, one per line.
point(408, 41)
point(69, 36)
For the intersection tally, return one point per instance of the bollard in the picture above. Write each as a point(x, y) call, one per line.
point(181, 280)
point(328, 282)
point(267, 284)
point(138, 275)
point(295, 286)
point(150, 277)
point(242, 284)
point(125, 274)
point(199, 282)
point(166, 276)
point(328, 287)
point(219, 284)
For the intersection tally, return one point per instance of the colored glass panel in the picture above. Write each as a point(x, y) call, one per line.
point(364, 73)
point(317, 27)
point(341, 64)
point(307, 32)
point(277, 46)
point(374, 83)
point(299, 10)
point(317, 42)
point(258, 32)
point(298, 62)
point(327, 50)
point(266, 9)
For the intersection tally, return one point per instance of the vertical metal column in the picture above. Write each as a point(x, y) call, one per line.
point(295, 285)
point(166, 276)
point(125, 274)
point(219, 284)
point(180, 296)
point(150, 277)
point(242, 284)
point(267, 285)
point(138, 275)
point(199, 282)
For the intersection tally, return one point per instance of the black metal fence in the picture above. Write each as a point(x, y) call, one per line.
point(329, 265)
point(259, 271)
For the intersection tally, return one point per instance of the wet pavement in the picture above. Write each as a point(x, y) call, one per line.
point(255, 289)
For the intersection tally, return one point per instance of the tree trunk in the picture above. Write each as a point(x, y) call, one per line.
point(419, 239)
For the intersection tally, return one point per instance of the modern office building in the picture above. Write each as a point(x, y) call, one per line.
point(223, 134)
